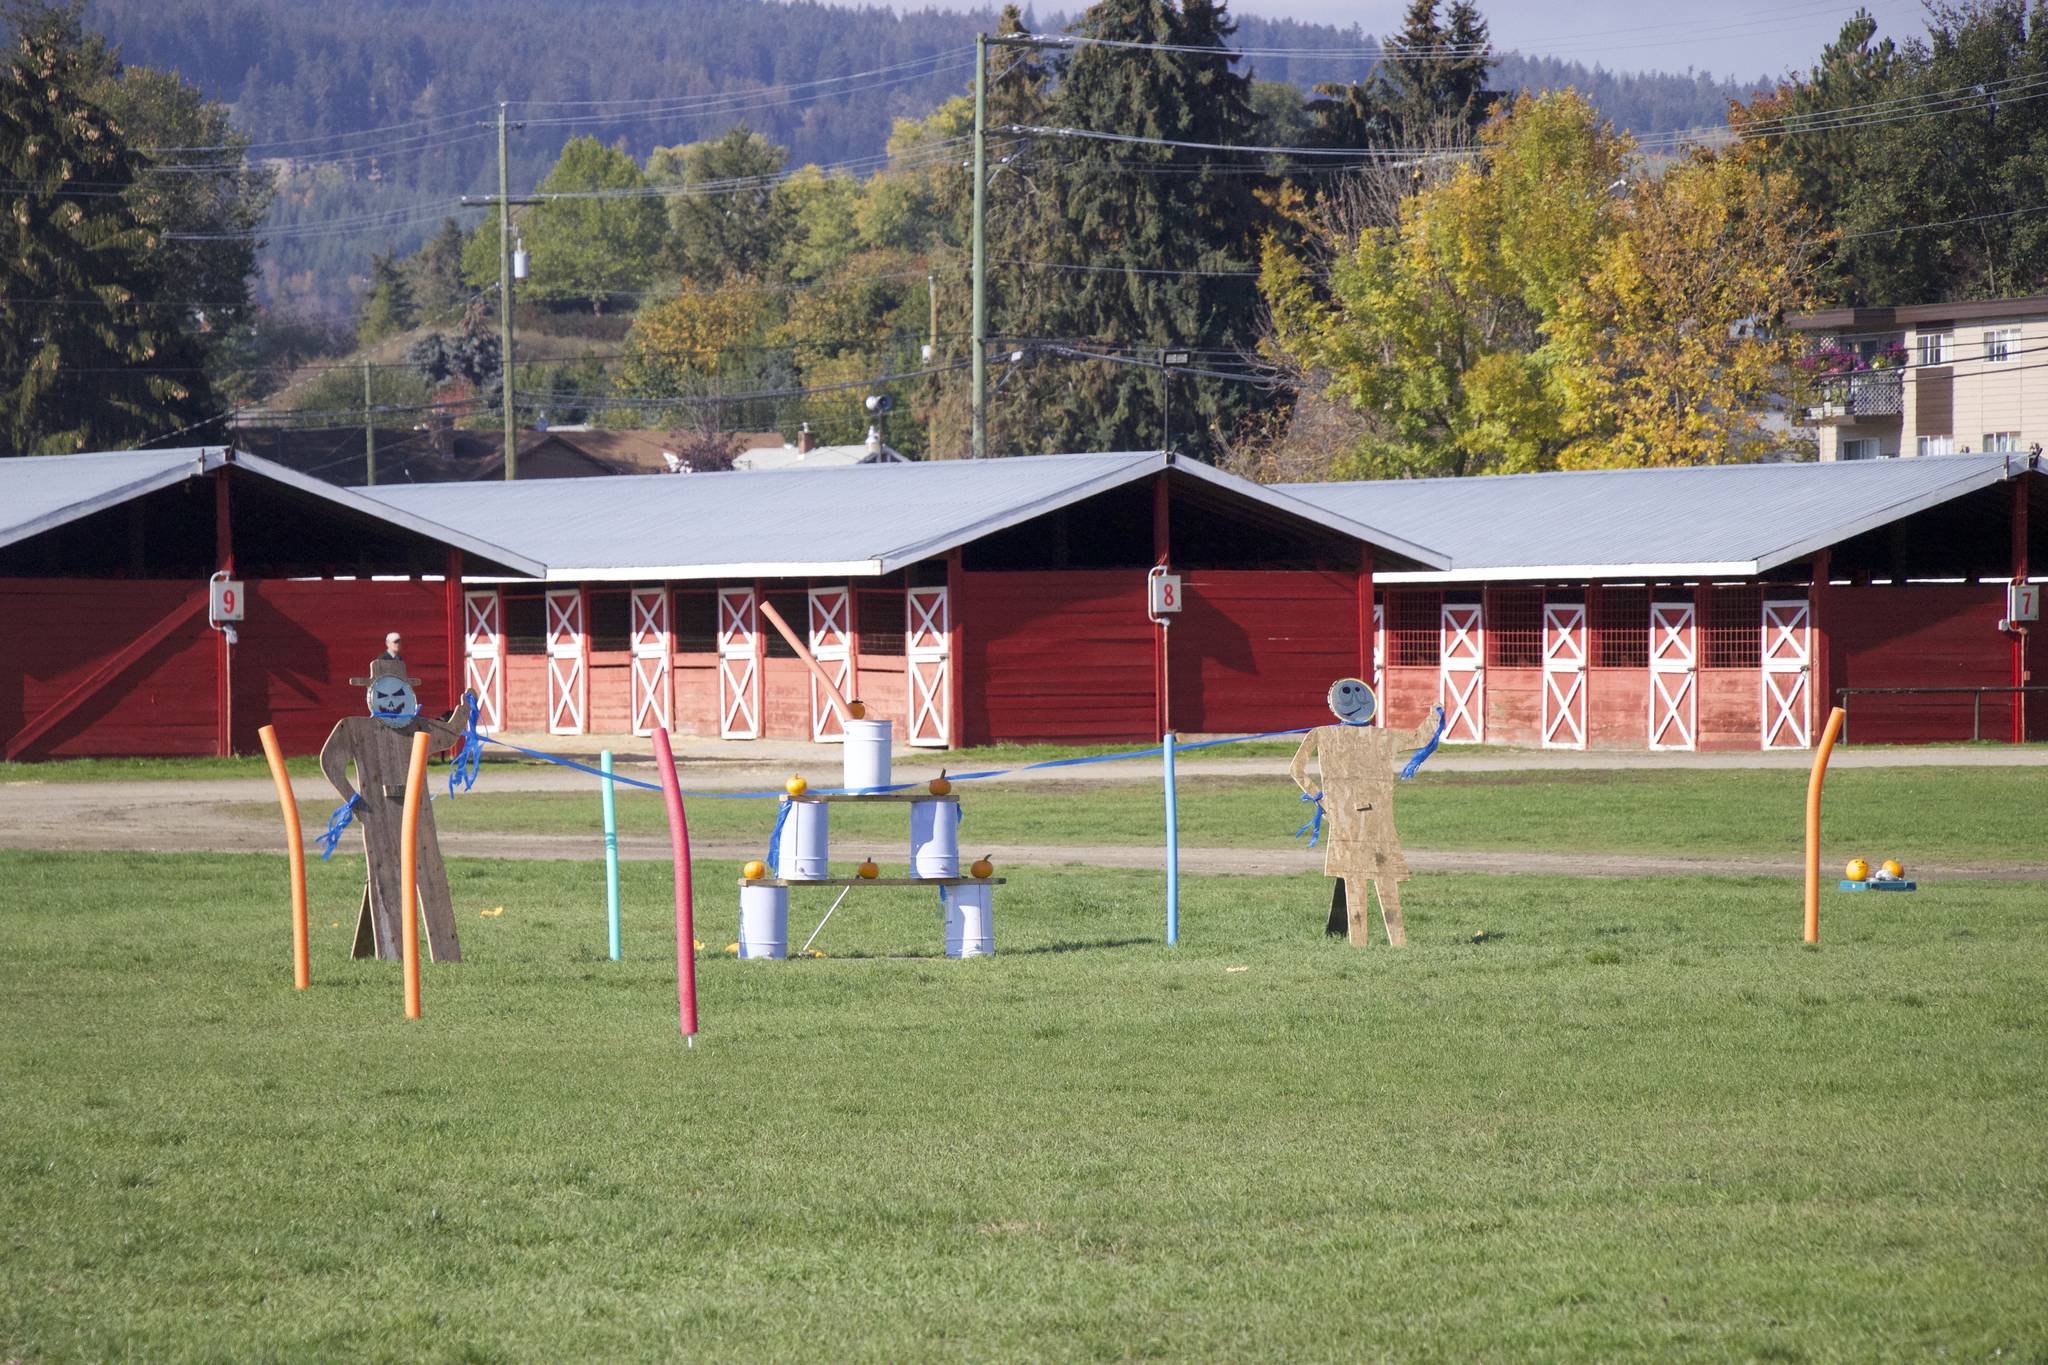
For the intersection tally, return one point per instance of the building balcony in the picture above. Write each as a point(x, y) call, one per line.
point(1841, 400)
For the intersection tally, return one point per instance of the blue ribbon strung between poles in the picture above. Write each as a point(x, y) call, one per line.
point(344, 815)
point(1422, 754)
point(464, 769)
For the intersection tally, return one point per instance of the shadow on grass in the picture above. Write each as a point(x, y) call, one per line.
point(1074, 946)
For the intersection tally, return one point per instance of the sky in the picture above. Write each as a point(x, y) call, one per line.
point(1742, 39)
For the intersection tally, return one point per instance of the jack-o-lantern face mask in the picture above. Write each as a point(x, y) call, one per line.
point(391, 701)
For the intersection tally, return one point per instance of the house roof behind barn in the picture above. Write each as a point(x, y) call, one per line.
point(1711, 520)
point(859, 521)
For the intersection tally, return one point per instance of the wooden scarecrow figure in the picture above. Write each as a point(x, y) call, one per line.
point(1358, 765)
point(380, 746)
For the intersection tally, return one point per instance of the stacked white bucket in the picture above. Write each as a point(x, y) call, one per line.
point(803, 851)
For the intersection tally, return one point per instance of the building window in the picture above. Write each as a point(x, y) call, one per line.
point(611, 622)
point(1936, 348)
point(795, 609)
point(526, 625)
point(2000, 345)
point(1937, 445)
point(1514, 628)
point(1414, 623)
point(2001, 442)
point(1621, 628)
point(696, 622)
point(1859, 448)
point(1734, 628)
point(879, 617)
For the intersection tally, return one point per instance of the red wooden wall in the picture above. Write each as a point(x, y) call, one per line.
point(1922, 635)
point(1062, 655)
point(1258, 650)
point(299, 645)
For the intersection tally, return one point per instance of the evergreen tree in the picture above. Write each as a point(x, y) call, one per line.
point(435, 273)
point(1148, 209)
point(90, 358)
point(388, 306)
point(1435, 72)
point(726, 217)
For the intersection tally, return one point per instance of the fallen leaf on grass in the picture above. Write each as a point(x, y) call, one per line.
point(490, 914)
point(1237, 969)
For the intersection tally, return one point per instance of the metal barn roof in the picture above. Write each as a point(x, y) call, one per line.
point(1713, 520)
point(860, 521)
point(41, 492)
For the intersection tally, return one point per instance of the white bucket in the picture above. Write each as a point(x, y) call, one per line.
point(802, 854)
point(970, 921)
point(764, 921)
point(867, 754)
point(935, 837)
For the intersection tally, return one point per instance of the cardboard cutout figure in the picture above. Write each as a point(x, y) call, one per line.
point(1358, 765)
point(380, 746)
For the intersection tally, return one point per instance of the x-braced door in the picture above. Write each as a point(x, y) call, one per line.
point(483, 670)
point(1461, 674)
point(1379, 664)
point(1564, 676)
point(653, 683)
point(739, 671)
point(1787, 680)
point(927, 648)
point(1674, 664)
point(832, 647)
point(566, 675)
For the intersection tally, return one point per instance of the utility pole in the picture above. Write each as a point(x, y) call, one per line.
point(978, 446)
point(931, 360)
point(504, 202)
point(369, 432)
point(505, 299)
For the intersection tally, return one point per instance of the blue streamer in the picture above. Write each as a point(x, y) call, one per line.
point(344, 815)
point(1314, 828)
point(1422, 754)
point(775, 836)
point(464, 769)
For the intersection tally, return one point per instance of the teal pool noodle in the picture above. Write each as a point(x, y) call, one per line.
point(611, 851)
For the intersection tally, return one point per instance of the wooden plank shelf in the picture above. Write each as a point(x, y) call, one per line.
point(873, 881)
point(823, 798)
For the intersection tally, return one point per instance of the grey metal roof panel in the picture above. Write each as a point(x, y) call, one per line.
point(860, 520)
point(1734, 519)
point(40, 492)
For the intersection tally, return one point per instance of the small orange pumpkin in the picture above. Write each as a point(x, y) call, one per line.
point(941, 785)
point(868, 871)
point(796, 786)
point(982, 867)
point(755, 870)
point(858, 709)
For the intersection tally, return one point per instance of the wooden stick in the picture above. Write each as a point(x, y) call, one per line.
point(1820, 772)
point(295, 852)
point(409, 871)
point(831, 691)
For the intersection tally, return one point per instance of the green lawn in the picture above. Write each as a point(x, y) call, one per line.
point(1640, 1120)
point(1911, 813)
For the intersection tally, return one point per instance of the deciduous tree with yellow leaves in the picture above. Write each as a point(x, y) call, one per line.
point(1554, 304)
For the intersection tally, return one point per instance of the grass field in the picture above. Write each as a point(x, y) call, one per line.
point(1639, 1120)
point(1913, 813)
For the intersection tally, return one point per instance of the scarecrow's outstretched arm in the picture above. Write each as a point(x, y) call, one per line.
point(1425, 732)
point(1298, 770)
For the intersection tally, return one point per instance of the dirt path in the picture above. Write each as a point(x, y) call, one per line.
point(214, 817)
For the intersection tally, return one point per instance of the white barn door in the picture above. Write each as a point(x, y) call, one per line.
point(1564, 676)
point(483, 669)
point(1787, 675)
point(653, 681)
point(1379, 664)
point(1674, 667)
point(832, 646)
point(566, 676)
point(927, 649)
point(739, 672)
point(1461, 674)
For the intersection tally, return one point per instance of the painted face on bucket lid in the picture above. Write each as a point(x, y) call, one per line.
point(392, 701)
point(1352, 702)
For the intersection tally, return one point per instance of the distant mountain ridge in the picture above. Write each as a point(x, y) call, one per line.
point(332, 89)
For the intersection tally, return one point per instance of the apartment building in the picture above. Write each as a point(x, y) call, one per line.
point(1927, 379)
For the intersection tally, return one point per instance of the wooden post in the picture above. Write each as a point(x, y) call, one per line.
point(761, 666)
point(583, 647)
point(1822, 678)
point(458, 650)
point(1162, 555)
point(956, 658)
point(223, 658)
point(2019, 632)
point(1365, 620)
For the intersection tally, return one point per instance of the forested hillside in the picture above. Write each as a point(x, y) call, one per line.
point(320, 89)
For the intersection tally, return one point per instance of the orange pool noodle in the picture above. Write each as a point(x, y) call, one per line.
point(1820, 772)
point(295, 851)
point(409, 872)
